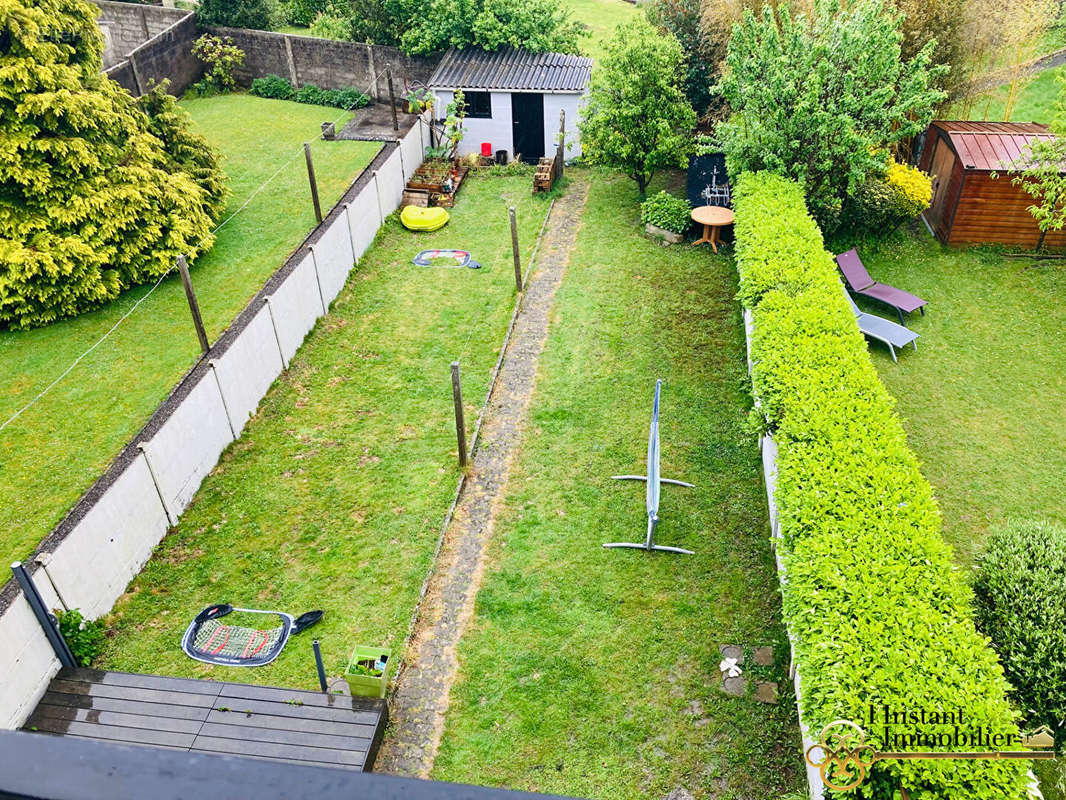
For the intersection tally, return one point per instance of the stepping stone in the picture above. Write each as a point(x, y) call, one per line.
point(695, 709)
point(339, 686)
point(737, 687)
point(732, 651)
point(763, 656)
point(679, 794)
point(766, 693)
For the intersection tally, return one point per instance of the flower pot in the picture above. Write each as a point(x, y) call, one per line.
point(367, 672)
point(669, 237)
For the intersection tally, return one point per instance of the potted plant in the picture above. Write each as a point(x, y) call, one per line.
point(367, 672)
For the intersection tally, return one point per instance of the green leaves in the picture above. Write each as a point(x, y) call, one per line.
point(666, 211)
point(818, 100)
point(85, 638)
point(637, 118)
point(879, 613)
point(98, 192)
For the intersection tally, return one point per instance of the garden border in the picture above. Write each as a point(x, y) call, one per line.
point(89, 558)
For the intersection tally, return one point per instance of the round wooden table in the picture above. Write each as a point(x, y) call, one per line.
point(711, 218)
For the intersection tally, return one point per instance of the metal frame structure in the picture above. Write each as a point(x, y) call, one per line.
point(654, 483)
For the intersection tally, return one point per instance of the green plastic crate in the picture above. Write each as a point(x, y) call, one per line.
point(368, 685)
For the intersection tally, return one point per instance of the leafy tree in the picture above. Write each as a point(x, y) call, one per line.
point(422, 27)
point(222, 58)
point(703, 54)
point(637, 118)
point(254, 14)
point(821, 99)
point(92, 201)
point(1042, 178)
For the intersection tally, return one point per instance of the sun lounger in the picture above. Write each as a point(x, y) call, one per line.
point(860, 282)
point(884, 330)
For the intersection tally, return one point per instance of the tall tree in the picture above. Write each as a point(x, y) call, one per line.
point(637, 118)
point(821, 99)
point(254, 14)
point(1041, 176)
point(703, 53)
point(91, 201)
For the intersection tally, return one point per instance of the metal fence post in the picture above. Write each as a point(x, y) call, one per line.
point(48, 623)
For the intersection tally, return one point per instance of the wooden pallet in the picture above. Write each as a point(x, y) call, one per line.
point(548, 170)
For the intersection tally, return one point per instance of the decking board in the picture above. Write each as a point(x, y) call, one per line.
point(266, 722)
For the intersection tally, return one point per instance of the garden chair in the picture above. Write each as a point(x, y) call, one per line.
point(860, 282)
point(884, 330)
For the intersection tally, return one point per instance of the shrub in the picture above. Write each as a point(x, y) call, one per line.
point(667, 212)
point(351, 99)
point(303, 12)
point(84, 637)
point(311, 94)
point(883, 203)
point(273, 86)
point(331, 26)
point(222, 58)
point(1019, 586)
point(255, 14)
point(914, 187)
point(880, 614)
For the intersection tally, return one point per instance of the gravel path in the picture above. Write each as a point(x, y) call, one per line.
point(423, 691)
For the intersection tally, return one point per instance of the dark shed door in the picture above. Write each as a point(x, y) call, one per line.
point(527, 125)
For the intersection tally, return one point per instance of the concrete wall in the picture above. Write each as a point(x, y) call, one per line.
point(89, 559)
point(127, 26)
point(145, 45)
point(498, 132)
point(326, 63)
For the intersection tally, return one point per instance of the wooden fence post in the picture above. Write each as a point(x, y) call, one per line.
point(559, 153)
point(514, 249)
point(392, 99)
point(194, 307)
point(460, 421)
point(314, 183)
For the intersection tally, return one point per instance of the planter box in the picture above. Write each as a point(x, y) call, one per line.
point(368, 685)
point(669, 237)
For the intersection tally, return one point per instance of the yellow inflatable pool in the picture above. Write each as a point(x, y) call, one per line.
point(415, 218)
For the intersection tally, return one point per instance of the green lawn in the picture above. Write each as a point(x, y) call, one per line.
point(334, 496)
point(984, 398)
point(601, 17)
point(592, 672)
point(54, 451)
point(1035, 103)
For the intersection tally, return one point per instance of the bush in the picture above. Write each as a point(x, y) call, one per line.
point(84, 637)
point(1019, 586)
point(277, 88)
point(222, 58)
point(331, 26)
point(883, 203)
point(273, 86)
point(255, 14)
point(880, 614)
point(303, 12)
point(667, 212)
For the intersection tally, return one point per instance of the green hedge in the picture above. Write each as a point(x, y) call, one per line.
point(880, 613)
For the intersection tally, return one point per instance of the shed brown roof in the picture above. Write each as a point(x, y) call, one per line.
point(992, 146)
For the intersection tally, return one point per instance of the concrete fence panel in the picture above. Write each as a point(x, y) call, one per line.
point(91, 567)
point(27, 663)
point(248, 368)
point(187, 446)
point(295, 306)
point(412, 148)
point(334, 258)
point(392, 183)
point(363, 219)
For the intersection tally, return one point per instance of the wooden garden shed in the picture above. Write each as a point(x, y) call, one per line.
point(970, 204)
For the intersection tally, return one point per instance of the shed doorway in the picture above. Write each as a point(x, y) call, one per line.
point(527, 125)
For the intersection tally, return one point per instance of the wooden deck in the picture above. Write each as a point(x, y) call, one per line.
point(214, 717)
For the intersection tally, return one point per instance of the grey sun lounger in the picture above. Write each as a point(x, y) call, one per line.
point(860, 282)
point(884, 330)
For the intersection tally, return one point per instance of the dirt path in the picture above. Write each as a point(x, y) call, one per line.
point(424, 688)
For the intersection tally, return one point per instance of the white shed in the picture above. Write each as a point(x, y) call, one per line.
point(514, 98)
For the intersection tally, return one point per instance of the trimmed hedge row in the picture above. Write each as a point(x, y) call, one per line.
point(881, 616)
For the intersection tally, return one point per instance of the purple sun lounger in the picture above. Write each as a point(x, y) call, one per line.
point(860, 282)
point(884, 330)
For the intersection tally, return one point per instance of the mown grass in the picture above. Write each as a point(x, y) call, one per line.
point(593, 672)
point(54, 451)
point(1035, 103)
point(334, 496)
point(600, 17)
point(984, 398)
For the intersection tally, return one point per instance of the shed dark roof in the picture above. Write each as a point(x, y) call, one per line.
point(991, 146)
point(512, 70)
